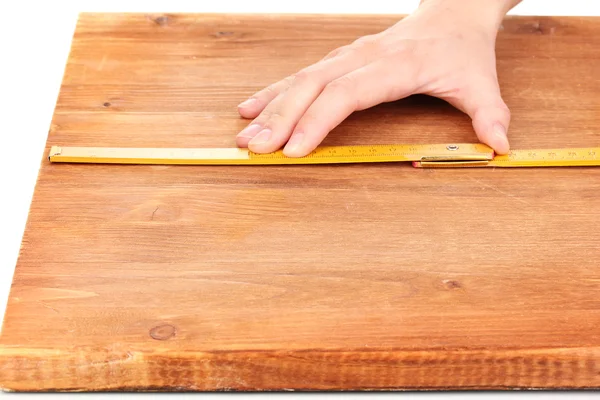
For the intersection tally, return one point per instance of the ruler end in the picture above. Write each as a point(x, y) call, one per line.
point(54, 151)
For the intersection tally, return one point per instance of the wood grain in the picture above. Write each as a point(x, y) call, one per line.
point(328, 277)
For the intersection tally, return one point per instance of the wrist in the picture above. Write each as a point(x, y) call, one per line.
point(487, 14)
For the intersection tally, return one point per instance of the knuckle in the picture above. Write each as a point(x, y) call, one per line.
point(505, 111)
point(269, 91)
point(400, 51)
point(342, 84)
point(287, 81)
point(365, 40)
point(274, 89)
point(270, 118)
point(404, 48)
point(269, 114)
point(368, 50)
point(331, 54)
point(306, 77)
point(301, 76)
point(343, 90)
point(336, 52)
point(369, 44)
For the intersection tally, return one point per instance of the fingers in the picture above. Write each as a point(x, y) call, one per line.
point(490, 116)
point(365, 87)
point(253, 106)
point(280, 116)
point(491, 126)
point(257, 126)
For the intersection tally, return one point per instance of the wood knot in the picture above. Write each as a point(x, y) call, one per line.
point(227, 35)
point(537, 28)
point(223, 33)
point(163, 332)
point(106, 104)
point(451, 284)
point(544, 27)
point(162, 20)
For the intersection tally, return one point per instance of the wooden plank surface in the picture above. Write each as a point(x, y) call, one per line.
point(350, 277)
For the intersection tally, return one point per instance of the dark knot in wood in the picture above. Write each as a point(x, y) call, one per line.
point(163, 332)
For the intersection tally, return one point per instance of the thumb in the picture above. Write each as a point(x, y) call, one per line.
point(489, 114)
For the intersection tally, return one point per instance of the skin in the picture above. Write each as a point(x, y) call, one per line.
point(445, 49)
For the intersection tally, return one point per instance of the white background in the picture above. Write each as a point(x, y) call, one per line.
point(35, 38)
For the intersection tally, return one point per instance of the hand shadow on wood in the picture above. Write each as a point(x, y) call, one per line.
point(415, 119)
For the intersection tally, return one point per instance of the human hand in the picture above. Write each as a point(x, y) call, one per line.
point(446, 49)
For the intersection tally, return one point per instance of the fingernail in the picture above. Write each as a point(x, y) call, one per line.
point(246, 103)
point(293, 144)
point(501, 146)
point(500, 131)
point(250, 131)
point(262, 137)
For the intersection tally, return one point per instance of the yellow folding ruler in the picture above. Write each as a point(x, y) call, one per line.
point(420, 155)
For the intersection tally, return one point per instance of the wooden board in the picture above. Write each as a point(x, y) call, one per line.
point(330, 277)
